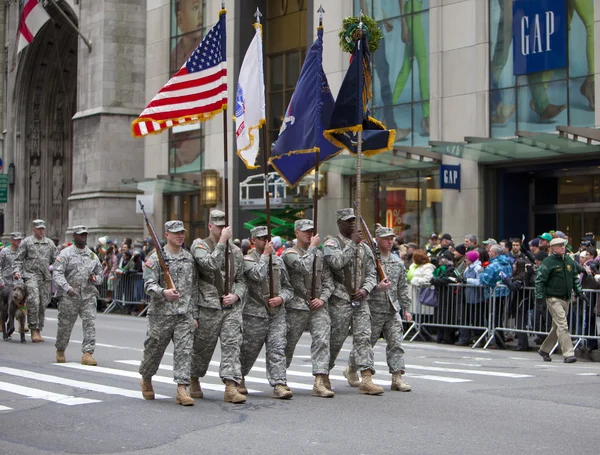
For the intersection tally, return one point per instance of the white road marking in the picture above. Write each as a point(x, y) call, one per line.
point(5, 408)
point(459, 364)
point(461, 371)
point(44, 395)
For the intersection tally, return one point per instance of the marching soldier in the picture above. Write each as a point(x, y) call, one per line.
point(77, 271)
point(383, 304)
point(264, 317)
point(7, 259)
point(347, 308)
point(302, 310)
point(172, 314)
point(34, 256)
point(220, 312)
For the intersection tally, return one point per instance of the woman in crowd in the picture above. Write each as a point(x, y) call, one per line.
point(447, 296)
point(473, 313)
point(421, 276)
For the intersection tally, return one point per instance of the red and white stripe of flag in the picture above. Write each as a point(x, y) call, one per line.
point(33, 17)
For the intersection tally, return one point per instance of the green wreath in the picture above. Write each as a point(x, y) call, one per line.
point(350, 33)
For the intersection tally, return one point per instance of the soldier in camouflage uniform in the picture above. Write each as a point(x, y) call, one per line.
point(384, 303)
point(172, 313)
point(304, 311)
point(264, 316)
point(7, 258)
point(34, 256)
point(76, 272)
point(347, 307)
point(220, 310)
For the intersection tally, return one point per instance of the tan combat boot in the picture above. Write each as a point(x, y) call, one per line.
point(327, 382)
point(242, 387)
point(231, 393)
point(352, 376)
point(60, 356)
point(367, 387)
point(399, 384)
point(88, 359)
point(280, 392)
point(319, 389)
point(36, 337)
point(147, 389)
point(195, 390)
point(183, 396)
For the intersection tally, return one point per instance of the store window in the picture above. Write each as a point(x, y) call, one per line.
point(538, 101)
point(187, 28)
point(401, 67)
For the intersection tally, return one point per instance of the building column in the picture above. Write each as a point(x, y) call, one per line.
point(110, 95)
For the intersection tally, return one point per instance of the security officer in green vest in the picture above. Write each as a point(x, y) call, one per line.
point(555, 282)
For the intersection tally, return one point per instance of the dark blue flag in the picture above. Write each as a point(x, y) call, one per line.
point(294, 153)
point(351, 113)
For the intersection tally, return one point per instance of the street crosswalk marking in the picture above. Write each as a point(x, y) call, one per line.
point(499, 374)
point(5, 408)
point(44, 395)
point(73, 383)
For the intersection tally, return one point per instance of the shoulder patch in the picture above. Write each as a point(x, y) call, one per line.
point(60, 259)
point(92, 255)
point(149, 263)
point(249, 259)
point(201, 245)
point(289, 251)
point(331, 242)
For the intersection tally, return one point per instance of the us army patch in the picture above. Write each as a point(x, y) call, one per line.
point(60, 259)
point(330, 242)
point(149, 263)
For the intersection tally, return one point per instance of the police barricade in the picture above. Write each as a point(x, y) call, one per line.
point(103, 293)
point(128, 290)
point(449, 308)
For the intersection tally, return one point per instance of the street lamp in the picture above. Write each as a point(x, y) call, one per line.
point(210, 195)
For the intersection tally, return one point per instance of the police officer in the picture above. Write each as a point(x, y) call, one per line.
point(263, 315)
point(34, 256)
point(7, 258)
point(220, 311)
point(302, 310)
point(555, 282)
point(347, 307)
point(76, 272)
point(385, 302)
point(172, 314)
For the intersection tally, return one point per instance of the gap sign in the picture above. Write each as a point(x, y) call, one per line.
point(539, 35)
point(450, 177)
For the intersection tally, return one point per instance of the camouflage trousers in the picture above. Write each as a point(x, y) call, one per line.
point(38, 298)
point(319, 324)
point(343, 316)
point(162, 328)
point(68, 310)
point(269, 332)
point(215, 324)
point(391, 326)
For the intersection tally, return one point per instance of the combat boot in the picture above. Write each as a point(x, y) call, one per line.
point(367, 387)
point(195, 390)
point(183, 396)
point(60, 356)
point(232, 395)
point(147, 389)
point(36, 337)
point(352, 376)
point(88, 359)
point(280, 391)
point(399, 384)
point(327, 382)
point(242, 387)
point(319, 389)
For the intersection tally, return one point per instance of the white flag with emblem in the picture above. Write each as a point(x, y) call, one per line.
point(250, 102)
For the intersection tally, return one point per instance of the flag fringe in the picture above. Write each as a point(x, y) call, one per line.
point(251, 129)
point(202, 118)
point(329, 135)
point(272, 162)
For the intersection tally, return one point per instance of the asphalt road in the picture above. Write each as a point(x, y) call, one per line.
point(464, 401)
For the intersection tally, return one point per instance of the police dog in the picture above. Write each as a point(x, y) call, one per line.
point(12, 305)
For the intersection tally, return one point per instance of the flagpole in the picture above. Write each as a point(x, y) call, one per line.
point(357, 213)
point(226, 187)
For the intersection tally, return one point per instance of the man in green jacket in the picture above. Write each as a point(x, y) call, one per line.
point(555, 282)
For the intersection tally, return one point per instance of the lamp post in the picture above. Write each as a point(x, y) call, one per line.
point(210, 193)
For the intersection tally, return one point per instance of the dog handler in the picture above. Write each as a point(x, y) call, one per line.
point(77, 272)
point(7, 258)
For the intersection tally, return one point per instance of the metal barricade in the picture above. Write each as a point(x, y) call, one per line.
point(128, 290)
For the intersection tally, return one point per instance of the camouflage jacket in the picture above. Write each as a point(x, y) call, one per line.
point(210, 258)
point(256, 269)
point(340, 254)
point(72, 269)
point(7, 259)
point(185, 276)
point(396, 298)
point(299, 264)
point(34, 258)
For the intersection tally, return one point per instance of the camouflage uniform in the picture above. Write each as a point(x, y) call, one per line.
point(215, 321)
point(299, 263)
point(340, 253)
point(7, 259)
point(385, 310)
point(170, 321)
point(72, 270)
point(33, 260)
point(262, 326)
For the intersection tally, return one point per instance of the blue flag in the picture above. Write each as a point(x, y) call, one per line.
point(351, 112)
point(294, 153)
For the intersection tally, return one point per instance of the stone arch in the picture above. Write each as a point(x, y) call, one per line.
point(45, 102)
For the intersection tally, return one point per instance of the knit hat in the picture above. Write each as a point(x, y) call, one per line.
point(472, 256)
point(535, 242)
point(462, 249)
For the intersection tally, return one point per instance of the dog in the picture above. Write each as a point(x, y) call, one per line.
point(13, 301)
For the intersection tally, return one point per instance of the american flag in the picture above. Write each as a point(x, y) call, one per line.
point(195, 93)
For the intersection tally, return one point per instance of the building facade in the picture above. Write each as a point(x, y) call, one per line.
point(502, 88)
